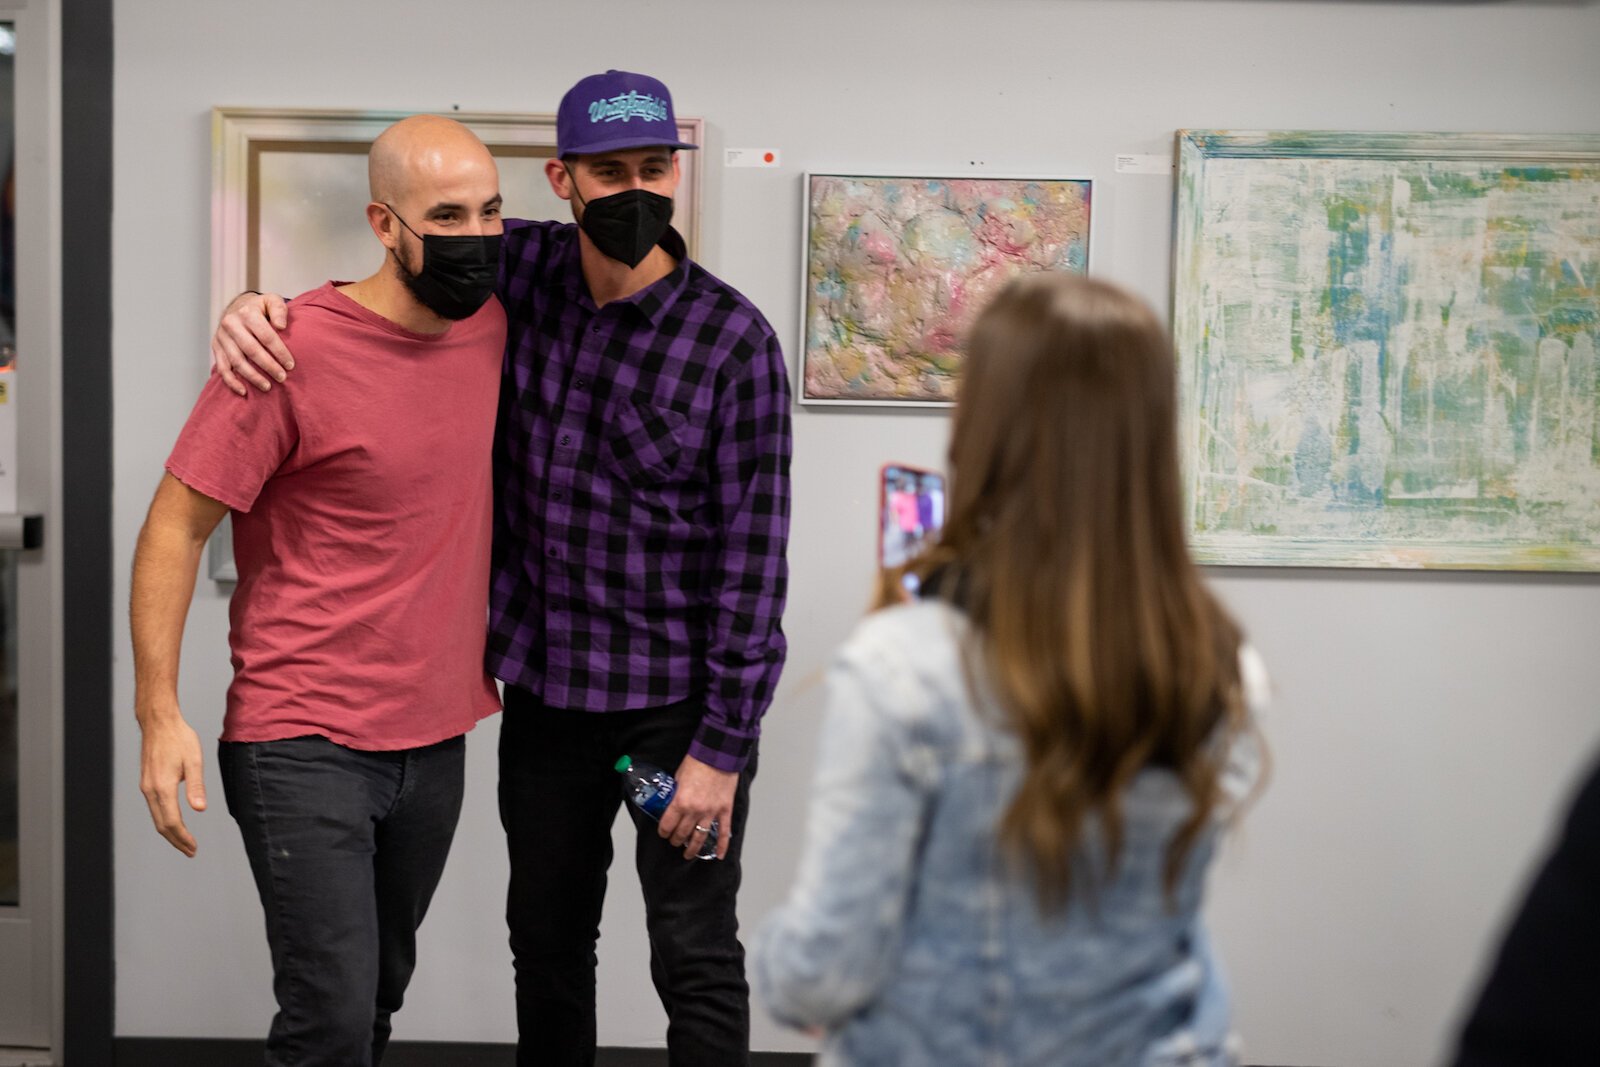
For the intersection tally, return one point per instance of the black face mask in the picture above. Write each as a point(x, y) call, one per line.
point(625, 226)
point(458, 273)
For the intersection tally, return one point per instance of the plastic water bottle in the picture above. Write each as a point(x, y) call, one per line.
point(651, 790)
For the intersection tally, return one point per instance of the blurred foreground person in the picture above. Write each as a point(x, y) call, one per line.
point(1538, 1003)
point(1023, 773)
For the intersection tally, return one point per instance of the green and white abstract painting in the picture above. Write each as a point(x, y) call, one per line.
point(1388, 349)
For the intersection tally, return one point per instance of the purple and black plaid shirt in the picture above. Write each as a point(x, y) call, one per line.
point(642, 494)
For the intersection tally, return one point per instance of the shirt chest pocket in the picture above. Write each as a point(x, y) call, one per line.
point(645, 443)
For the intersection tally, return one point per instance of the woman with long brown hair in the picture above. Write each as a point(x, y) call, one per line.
point(1023, 772)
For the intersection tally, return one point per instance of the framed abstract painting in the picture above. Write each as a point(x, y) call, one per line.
point(1388, 349)
point(895, 268)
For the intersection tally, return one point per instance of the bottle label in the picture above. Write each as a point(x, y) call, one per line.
point(654, 802)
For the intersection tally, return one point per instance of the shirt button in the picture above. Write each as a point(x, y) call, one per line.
point(556, 495)
point(554, 553)
point(566, 438)
point(583, 383)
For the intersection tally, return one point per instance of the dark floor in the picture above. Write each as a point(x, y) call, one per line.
point(197, 1052)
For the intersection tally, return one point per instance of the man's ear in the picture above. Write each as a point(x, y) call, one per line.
point(383, 224)
point(560, 178)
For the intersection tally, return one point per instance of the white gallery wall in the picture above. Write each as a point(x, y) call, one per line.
point(1428, 726)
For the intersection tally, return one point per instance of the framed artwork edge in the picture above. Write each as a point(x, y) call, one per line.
point(802, 393)
point(1194, 147)
point(1386, 144)
point(1410, 556)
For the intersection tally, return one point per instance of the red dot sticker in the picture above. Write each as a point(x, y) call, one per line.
point(768, 158)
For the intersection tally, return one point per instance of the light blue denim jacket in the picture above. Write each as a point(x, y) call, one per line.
point(912, 941)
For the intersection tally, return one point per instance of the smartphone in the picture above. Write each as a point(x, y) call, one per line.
point(910, 512)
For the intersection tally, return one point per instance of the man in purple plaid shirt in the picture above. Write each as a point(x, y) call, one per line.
point(641, 518)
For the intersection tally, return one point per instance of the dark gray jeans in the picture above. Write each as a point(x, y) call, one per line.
point(346, 848)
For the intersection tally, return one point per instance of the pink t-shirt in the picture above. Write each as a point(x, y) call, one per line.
point(361, 501)
point(905, 509)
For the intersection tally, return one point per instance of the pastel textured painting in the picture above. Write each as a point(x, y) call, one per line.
point(1388, 349)
point(897, 269)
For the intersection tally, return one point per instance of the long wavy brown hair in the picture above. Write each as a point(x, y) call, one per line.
point(1065, 540)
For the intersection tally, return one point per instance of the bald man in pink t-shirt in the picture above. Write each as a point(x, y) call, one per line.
point(361, 502)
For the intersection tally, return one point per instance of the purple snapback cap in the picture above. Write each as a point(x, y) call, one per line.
point(616, 110)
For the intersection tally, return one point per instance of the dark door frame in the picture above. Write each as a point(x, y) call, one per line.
point(88, 1007)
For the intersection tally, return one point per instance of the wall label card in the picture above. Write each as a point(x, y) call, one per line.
point(1130, 163)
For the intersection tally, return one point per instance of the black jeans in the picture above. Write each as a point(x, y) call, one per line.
point(346, 848)
point(559, 795)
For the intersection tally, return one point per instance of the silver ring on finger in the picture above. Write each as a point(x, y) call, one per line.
point(702, 829)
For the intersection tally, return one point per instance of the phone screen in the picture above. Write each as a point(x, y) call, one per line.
point(910, 512)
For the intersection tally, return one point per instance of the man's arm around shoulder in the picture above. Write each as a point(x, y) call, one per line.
point(246, 346)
